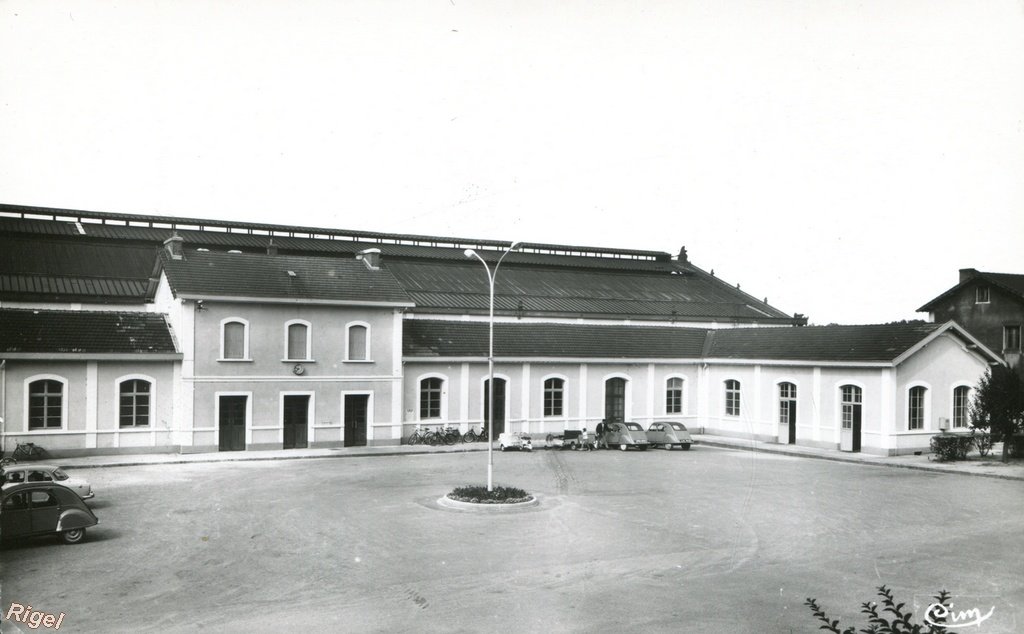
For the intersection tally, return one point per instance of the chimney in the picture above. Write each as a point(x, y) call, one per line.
point(966, 274)
point(682, 255)
point(271, 248)
point(175, 246)
point(370, 257)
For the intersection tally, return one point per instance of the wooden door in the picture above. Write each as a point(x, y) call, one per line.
point(232, 423)
point(296, 421)
point(356, 410)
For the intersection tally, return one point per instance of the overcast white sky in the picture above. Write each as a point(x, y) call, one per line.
point(842, 158)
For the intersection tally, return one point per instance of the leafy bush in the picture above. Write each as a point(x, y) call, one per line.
point(1016, 446)
point(950, 447)
point(983, 441)
point(480, 495)
point(879, 624)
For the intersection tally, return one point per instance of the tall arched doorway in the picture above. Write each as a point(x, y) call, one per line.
point(499, 405)
point(615, 400)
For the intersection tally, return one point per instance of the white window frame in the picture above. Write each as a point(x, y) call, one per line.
point(739, 397)
point(967, 405)
point(152, 399)
point(778, 398)
point(309, 341)
point(348, 353)
point(419, 393)
point(543, 397)
point(245, 339)
point(840, 403)
point(683, 396)
point(63, 402)
point(926, 407)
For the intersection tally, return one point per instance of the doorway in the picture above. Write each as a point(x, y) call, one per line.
point(499, 405)
point(232, 422)
point(615, 400)
point(296, 421)
point(356, 417)
point(787, 409)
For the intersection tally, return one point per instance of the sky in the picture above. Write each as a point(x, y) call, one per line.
point(843, 159)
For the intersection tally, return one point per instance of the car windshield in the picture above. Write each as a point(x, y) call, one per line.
point(679, 426)
point(58, 474)
point(634, 427)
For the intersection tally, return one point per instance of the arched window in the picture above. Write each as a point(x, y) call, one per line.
point(732, 397)
point(787, 402)
point(961, 406)
point(674, 396)
point(430, 397)
point(554, 393)
point(135, 401)
point(297, 341)
point(358, 348)
point(234, 340)
point(915, 407)
point(45, 404)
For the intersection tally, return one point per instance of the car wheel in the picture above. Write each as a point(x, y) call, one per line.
point(622, 446)
point(642, 447)
point(573, 446)
point(668, 446)
point(73, 536)
point(685, 447)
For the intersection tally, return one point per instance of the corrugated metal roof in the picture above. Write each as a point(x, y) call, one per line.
point(58, 288)
point(430, 338)
point(85, 332)
point(213, 274)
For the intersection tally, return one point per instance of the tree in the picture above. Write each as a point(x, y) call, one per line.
point(998, 405)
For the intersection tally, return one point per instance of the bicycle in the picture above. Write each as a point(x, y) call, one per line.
point(7, 460)
point(418, 435)
point(28, 451)
point(451, 435)
point(471, 435)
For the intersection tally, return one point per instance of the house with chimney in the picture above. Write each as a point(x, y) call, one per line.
point(186, 334)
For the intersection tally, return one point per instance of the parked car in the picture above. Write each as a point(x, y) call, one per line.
point(569, 439)
point(669, 434)
point(515, 440)
point(625, 435)
point(21, 473)
point(44, 508)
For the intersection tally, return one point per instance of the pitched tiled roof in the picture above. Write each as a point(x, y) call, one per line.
point(435, 338)
point(211, 274)
point(1009, 282)
point(84, 332)
point(818, 343)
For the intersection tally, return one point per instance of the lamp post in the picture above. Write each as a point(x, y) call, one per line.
point(470, 253)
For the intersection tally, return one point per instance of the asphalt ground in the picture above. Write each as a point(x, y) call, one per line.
point(710, 540)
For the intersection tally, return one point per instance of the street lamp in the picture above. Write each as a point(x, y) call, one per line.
point(470, 253)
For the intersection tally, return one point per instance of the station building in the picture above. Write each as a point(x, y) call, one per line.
point(130, 333)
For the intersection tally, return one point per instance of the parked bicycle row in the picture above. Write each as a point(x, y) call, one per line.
point(444, 435)
point(623, 436)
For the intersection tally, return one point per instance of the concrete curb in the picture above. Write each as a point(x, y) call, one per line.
point(841, 458)
point(446, 502)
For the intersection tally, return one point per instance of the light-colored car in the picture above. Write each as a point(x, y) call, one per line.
point(669, 434)
point(625, 435)
point(44, 508)
point(515, 440)
point(15, 474)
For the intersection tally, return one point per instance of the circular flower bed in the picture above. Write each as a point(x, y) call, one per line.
point(480, 495)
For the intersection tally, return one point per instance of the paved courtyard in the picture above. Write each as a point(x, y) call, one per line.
point(711, 540)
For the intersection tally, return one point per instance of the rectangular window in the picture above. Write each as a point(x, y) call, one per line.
point(554, 391)
point(961, 406)
point(430, 398)
point(981, 295)
point(297, 338)
point(234, 340)
point(134, 403)
point(732, 398)
point(357, 343)
point(674, 396)
point(45, 404)
point(915, 410)
point(1011, 338)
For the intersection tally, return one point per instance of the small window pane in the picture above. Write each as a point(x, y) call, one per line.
point(357, 343)
point(234, 340)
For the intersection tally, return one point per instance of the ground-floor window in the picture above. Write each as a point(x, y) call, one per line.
point(850, 403)
point(45, 404)
point(674, 396)
point(961, 406)
point(134, 403)
point(915, 407)
point(430, 397)
point(554, 391)
point(732, 397)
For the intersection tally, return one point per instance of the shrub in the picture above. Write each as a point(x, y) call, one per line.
point(480, 495)
point(879, 624)
point(983, 441)
point(950, 447)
